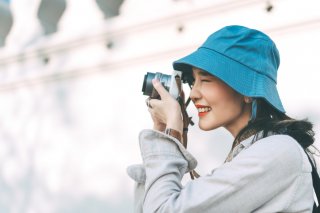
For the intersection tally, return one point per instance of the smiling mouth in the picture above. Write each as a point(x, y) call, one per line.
point(203, 110)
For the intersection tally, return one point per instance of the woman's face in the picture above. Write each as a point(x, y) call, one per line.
point(218, 104)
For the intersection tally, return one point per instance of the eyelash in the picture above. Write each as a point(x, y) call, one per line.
point(205, 80)
point(201, 80)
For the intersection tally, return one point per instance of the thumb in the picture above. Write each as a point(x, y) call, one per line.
point(160, 89)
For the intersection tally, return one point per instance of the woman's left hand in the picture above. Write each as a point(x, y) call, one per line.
point(166, 111)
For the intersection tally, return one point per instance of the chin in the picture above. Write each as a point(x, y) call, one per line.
point(206, 127)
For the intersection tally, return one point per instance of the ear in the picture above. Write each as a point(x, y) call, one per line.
point(247, 100)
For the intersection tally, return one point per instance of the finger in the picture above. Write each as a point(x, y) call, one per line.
point(160, 89)
point(154, 103)
point(148, 102)
point(151, 102)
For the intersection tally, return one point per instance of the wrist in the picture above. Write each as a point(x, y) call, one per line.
point(159, 127)
point(175, 123)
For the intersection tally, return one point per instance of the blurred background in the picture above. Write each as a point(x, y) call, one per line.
point(71, 105)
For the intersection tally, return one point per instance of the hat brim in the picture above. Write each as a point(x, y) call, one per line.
point(241, 78)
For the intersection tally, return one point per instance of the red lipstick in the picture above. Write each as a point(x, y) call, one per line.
point(201, 114)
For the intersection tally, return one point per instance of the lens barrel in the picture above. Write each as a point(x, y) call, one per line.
point(147, 86)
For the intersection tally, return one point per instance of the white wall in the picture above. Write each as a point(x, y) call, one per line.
point(71, 109)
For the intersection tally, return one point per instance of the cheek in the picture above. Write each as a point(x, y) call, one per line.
point(229, 104)
point(226, 106)
point(217, 97)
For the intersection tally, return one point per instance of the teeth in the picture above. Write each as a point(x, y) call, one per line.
point(204, 109)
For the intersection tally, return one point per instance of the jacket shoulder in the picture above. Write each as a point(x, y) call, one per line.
point(279, 151)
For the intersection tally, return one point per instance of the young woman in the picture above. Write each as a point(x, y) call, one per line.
point(267, 170)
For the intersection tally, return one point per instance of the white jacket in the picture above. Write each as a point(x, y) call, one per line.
point(271, 174)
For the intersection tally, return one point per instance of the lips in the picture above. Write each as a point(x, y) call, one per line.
point(202, 109)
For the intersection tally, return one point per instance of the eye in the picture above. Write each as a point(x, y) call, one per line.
point(205, 80)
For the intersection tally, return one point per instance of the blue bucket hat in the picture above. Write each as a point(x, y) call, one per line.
point(245, 59)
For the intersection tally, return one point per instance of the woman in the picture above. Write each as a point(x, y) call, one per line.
point(267, 170)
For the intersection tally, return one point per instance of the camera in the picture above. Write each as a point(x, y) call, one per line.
point(168, 81)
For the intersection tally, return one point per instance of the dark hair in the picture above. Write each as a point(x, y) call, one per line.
point(269, 119)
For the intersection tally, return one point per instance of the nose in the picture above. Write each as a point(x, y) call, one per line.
point(195, 93)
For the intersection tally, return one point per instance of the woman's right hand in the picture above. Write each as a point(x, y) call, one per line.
point(166, 112)
point(157, 124)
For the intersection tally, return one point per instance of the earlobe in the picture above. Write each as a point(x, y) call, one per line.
point(247, 100)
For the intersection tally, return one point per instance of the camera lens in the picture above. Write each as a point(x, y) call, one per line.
point(164, 79)
point(147, 87)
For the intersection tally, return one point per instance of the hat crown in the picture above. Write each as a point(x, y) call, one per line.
point(245, 59)
point(249, 47)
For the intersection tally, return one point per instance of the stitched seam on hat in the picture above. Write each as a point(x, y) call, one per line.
point(238, 62)
point(254, 84)
point(257, 37)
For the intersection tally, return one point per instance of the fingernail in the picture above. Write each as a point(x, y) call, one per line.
point(154, 81)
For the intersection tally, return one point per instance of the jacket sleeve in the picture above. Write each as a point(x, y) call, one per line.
point(250, 180)
point(138, 174)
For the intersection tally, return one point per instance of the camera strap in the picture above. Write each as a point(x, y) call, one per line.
point(186, 120)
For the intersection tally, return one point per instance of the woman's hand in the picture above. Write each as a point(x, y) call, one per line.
point(165, 113)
